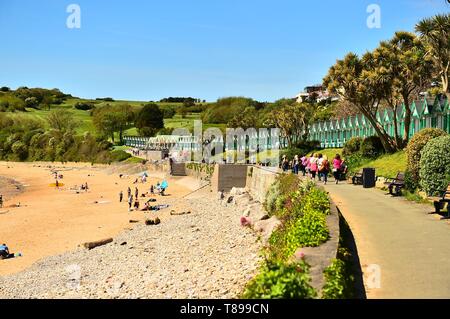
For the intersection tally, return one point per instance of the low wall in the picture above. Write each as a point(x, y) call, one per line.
point(319, 258)
point(225, 177)
point(259, 180)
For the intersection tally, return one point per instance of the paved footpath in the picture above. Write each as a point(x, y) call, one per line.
point(411, 247)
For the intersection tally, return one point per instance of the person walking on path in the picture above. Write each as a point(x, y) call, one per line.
point(313, 165)
point(337, 166)
point(302, 164)
point(319, 165)
point(296, 164)
point(324, 169)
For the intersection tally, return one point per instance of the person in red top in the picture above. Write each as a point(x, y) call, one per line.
point(337, 166)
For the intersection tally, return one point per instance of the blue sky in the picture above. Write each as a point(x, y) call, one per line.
point(147, 50)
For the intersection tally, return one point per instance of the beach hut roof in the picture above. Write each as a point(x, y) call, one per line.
point(379, 117)
point(387, 118)
point(437, 108)
point(414, 111)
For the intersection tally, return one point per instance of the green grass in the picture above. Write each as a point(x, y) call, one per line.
point(83, 117)
point(330, 152)
point(387, 165)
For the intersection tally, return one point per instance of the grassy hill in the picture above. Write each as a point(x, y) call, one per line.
point(386, 165)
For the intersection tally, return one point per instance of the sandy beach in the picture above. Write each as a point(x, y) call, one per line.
point(205, 253)
point(51, 220)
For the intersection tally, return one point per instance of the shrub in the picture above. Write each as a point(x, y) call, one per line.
point(435, 165)
point(414, 149)
point(279, 192)
point(304, 224)
point(168, 112)
point(410, 183)
point(119, 156)
point(84, 106)
point(281, 281)
point(371, 147)
point(149, 120)
point(352, 146)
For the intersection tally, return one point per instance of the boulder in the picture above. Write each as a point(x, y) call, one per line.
point(237, 191)
point(266, 227)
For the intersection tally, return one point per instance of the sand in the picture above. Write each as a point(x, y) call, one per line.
point(51, 221)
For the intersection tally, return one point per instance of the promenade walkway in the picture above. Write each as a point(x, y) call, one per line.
point(411, 247)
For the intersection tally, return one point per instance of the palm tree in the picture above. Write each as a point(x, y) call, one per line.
point(435, 31)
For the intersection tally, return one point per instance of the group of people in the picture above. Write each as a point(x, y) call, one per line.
point(316, 165)
point(133, 200)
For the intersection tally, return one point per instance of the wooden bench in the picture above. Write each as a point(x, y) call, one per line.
point(357, 178)
point(439, 204)
point(396, 184)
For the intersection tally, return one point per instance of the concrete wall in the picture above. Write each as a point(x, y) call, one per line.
point(225, 177)
point(259, 180)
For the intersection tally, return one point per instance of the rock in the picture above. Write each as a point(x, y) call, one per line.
point(93, 244)
point(257, 212)
point(237, 191)
point(266, 227)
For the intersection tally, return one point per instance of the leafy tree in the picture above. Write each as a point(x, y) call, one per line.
point(350, 78)
point(292, 119)
point(110, 119)
point(246, 119)
point(31, 102)
point(149, 120)
point(62, 120)
point(399, 70)
point(225, 109)
point(435, 32)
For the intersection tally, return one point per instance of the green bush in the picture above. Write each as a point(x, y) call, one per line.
point(279, 192)
point(84, 106)
point(371, 147)
point(435, 165)
point(352, 146)
point(304, 224)
point(278, 280)
point(119, 156)
point(414, 149)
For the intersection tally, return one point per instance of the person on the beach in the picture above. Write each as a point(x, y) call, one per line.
point(1, 201)
point(136, 193)
point(130, 202)
point(129, 192)
point(152, 190)
point(5, 254)
point(136, 203)
point(86, 187)
point(120, 196)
